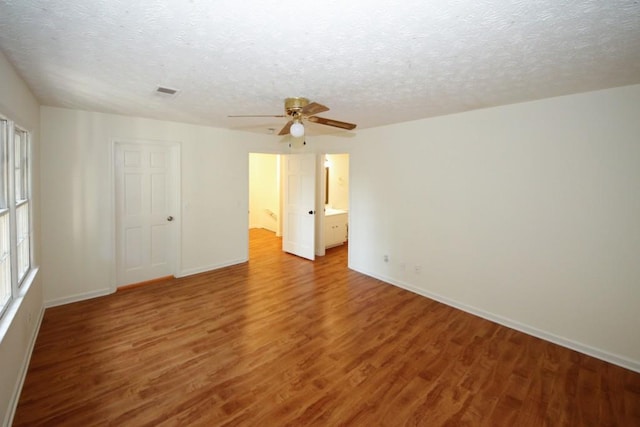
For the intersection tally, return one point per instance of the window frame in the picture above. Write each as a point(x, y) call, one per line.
point(25, 194)
point(5, 212)
point(9, 206)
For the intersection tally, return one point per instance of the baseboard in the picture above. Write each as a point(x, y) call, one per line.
point(615, 359)
point(78, 297)
point(103, 292)
point(145, 283)
point(192, 271)
point(13, 405)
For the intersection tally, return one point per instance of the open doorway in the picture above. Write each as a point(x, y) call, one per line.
point(266, 195)
point(336, 199)
point(264, 192)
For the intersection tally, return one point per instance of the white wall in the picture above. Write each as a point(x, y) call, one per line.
point(528, 214)
point(19, 326)
point(78, 235)
point(264, 194)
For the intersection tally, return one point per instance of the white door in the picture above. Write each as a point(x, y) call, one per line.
point(298, 220)
point(146, 210)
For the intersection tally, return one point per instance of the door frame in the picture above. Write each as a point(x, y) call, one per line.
point(175, 148)
point(321, 196)
point(278, 158)
point(321, 176)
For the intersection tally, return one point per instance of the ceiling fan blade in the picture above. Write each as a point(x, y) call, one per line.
point(285, 129)
point(330, 122)
point(258, 115)
point(314, 108)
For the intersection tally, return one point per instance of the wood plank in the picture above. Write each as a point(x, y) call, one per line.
point(281, 340)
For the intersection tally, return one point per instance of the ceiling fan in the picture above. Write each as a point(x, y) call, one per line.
point(300, 109)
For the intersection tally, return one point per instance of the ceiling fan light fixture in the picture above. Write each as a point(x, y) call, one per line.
point(299, 110)
point(297, 130)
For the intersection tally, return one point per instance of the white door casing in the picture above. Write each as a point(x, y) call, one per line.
point(299, 207)
point(146, 199)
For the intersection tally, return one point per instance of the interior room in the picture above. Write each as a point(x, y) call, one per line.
point(482, 164)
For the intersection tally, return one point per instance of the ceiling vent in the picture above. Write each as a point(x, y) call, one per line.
point(166, 90)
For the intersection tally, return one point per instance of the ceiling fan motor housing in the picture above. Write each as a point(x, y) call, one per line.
point(293, 106)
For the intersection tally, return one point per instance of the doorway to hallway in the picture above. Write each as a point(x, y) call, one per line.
point(267, 194)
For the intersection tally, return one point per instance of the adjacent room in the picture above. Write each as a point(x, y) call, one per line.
point(290, 213)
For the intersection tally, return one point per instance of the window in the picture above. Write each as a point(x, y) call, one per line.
point(5, 259)
point(15, 218)
point(23, 224)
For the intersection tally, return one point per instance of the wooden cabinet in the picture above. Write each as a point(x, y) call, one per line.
point(335, 229)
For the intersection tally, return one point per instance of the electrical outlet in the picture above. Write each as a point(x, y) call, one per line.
point(418, 268)
point(386, 258)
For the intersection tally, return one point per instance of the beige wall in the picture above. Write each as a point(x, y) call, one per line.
point(528, 214)
point(19, 326)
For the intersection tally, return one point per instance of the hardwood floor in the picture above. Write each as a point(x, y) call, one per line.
point(284, 341)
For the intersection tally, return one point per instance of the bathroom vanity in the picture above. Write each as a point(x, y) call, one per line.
point(335, 227)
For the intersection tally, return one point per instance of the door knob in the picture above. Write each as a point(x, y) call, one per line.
point(169, 218)
point(311, 212)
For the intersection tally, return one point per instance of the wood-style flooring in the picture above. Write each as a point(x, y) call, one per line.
point(284, 341)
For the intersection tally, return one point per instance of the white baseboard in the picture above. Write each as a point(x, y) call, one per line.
point(192, 271)
point(13, 405)
point(103, 292)
point(615, 359)
point(78, 297)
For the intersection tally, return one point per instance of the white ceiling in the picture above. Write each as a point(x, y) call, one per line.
point(372, 62)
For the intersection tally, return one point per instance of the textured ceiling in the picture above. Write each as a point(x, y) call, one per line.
point(372, 62)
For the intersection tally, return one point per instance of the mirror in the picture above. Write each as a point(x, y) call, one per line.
point(326, 185)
